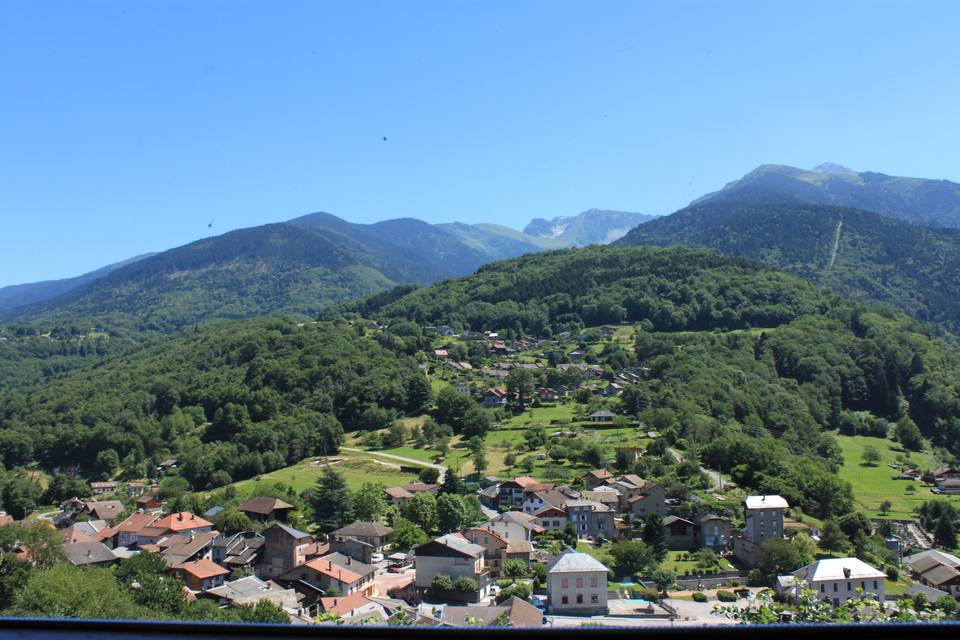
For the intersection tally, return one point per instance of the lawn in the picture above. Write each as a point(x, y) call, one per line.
point(601, 555)
point(682, 567)
point(355, 470)
point(874, 484)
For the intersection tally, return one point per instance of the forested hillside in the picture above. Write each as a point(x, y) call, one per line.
point(864, 255)
point(230, 400)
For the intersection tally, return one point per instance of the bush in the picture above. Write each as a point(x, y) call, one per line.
point(442, 582)
point(726, 596)
point(699, 597)
point(464, 583)
point(649, 594)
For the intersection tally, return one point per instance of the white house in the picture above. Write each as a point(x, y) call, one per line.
point(451, 555)
point(836, 580)
point(576, 584)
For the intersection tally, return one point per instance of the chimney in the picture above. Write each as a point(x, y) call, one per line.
point(349, 560)
point(180, 516)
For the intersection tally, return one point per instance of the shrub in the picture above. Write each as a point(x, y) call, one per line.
point(726, 596)
point(649, 594)
point(442, 582)
point(699, 597)
point(464, 583)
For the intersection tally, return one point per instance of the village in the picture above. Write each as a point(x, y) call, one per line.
point(624, 531)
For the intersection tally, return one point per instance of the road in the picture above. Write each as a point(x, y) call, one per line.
point(411, 461)
point(716, 480)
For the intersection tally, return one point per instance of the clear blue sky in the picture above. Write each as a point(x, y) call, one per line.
point(127, 127)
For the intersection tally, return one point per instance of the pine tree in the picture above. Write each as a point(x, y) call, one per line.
point(331, 502)
point(452, 483)
point(945, 535)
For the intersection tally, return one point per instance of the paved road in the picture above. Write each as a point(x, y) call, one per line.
point(411, 461)
point(716, 480)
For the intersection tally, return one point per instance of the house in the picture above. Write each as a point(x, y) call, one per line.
point(498, 549)
point(537, 500)
point(201, 575)
point(650, 498)
point(949, 486)
point(451, 555)
point(495, 398)
point(600, 417)
point(128, 531)
point(836, 580)
point(681, 534)
point(397, 496)
point(149, 502)
point(922, 562)
point(372, 533)
point(84, 531)
point(596, 478)
point(944, 578)
point(182, 522)
point(333, 571)
point(166, 465)
point(188, 547)
point(512, 492)
point(514, 612)
point(546, 394)
point(592, 520)
point(239, 551)
point(97, 488)
point(551, 518)
point(421, 487)
point(514, 525)
point(283, 549)
point(716, 532)
point(135, 489)
point(89, 554)
point(104, 510)
point(576, 585)
point(250, 590)
point(763, 517)
point(263, 509)
point(463, 388)
point(356, 608)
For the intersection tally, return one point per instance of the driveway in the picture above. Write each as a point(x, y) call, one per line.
point(716, 480)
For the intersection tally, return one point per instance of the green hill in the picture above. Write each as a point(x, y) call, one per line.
point(863, 255)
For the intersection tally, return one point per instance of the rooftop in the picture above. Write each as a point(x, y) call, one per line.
point(571, 561)
point(766, 502)
point(838, 569)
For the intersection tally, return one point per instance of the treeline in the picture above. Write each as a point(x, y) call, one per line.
point(547, 293)
point(230, 401)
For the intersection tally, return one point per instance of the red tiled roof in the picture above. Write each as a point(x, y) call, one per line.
point(183, 521)
point(336, 572)
point(343, 605)
point(202, 569)
point(135, 522)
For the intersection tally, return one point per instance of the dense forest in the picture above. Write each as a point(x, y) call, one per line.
point(863, 255)
point(229, 400)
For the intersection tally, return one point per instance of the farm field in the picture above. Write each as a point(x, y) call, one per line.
point(874, 484)
point(356, 469)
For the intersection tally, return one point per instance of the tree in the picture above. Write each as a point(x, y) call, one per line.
point(451, 512)
point(908, 434)
point(832, 537)
point(264, 612)
point(452, 483)
point(429, 475)
point(157, 591)
point(654, 535)
point(520, 386)
point(806, 547)
point(65, 591)
point(369, 503)
point(885, 507)
point(45, 543)
point(465, 583)
point(535, 437)
point(515, 568)
point(421, 510)
point(331, 501)
point(231, 521)
point(406, 535)
point(570, 535)
point(945, 534)
point(664, 578)
point(107, 463)
point(631, 556)
point(14, 573)
point(871, 456)
point(777, 557)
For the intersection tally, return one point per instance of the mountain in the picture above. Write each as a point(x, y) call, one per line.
point(920, 201)
point(861, 254)
point(20, 295)
point(499, 242)
point(595, 226)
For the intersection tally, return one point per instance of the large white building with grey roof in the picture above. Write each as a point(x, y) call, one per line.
point(576, 585)
point(836, 580)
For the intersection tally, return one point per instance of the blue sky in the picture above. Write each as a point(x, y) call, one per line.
point(128, 127)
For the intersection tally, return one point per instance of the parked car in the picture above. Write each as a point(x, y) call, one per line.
point(377, 557)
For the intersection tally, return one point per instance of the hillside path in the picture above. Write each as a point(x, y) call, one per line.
point(716, 480)
point(411, 461)
point(836, 245)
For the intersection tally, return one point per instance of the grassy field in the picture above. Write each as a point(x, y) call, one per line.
point(874, 484)
point(356, 469)
point(682, 567)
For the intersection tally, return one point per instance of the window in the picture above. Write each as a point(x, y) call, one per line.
point(863, 585)
point(563, 600)
point(579, 582)
point(594, 581)
point(594, 598)
point(564, 582)
point(579, 598)
point(849, 586)
point(875, 585)
point(835, 586)
point(823, 588)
